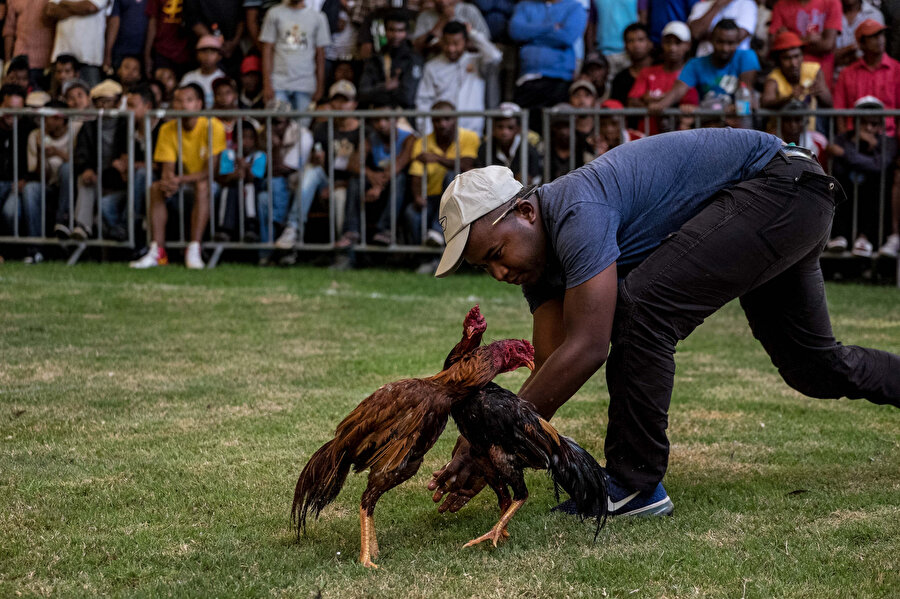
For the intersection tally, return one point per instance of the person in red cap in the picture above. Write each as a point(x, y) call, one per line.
point(875, 74)
point(794, 78)
point(613, 131)
point(251, 83)
point(816, 22)
point(845, 48)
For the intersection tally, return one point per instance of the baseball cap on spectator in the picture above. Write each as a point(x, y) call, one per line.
point(37, 99)
point(76, 83)
point(785, 41)
point(678, 29)
point(209, 42)
point(277, 105)
point(18, 63)
point(556, 117)
point(595, 59)
point(868, 27)
point(582, 84)
point(342, 88)
point(612, 105)
point(106, 89)
point(251, 64)
point(795, 104)
point(470, 196)
point(870, 102)
point(509, 109)
point(219, 81)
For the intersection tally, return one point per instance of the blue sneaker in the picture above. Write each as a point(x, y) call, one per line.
point(623, 502)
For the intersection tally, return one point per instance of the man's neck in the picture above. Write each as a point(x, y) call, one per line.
point(671, 67)
point(873, 60)
point(189, 124)
point(637, 65)
point(442, 142)
point(208, 70)
point(719, 64)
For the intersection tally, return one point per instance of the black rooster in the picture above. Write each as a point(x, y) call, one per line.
point(507, 435)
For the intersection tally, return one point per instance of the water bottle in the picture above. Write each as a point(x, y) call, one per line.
point(743, 105)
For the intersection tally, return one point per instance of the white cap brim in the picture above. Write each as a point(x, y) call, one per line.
point(452, 257)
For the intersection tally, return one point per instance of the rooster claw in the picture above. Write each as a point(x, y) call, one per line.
point(369, 564)
point(492, 535)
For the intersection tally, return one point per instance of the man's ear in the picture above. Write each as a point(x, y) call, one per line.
point(528, 209)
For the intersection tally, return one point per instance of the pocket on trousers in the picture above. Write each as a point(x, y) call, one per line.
point(822, 186)
point(804, 219)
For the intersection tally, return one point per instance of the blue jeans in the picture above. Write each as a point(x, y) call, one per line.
point(313, 181)
point(281, 199)
point(29, 210)
point(114, 206)
point(299, 100)
point(30, 207)
point(412, 216)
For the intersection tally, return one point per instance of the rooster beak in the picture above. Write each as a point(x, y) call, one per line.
point(469, 331)
point(530, 365)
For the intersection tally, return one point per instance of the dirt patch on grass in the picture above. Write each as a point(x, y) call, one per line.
point(731, 459)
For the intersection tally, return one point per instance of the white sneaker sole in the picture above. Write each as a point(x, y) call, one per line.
point(663, 507)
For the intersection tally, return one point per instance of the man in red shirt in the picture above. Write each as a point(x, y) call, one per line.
point(653, 82)
point(875, 74)
point(817, 22)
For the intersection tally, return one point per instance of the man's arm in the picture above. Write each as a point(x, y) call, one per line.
point(320, 74)
point(674, 95)
point(571, 342)
point(70, 8)
point(564, 364)
point(112, 32)
point(148, 47)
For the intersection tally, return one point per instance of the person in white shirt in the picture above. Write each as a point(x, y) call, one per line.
point(81, 32)
point(458, 76)
point(209, 53)
point(706, 13)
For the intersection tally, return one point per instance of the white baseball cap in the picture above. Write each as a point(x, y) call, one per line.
point(678, 29)
point(470, 196)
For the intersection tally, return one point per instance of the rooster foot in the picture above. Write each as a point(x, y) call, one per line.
point(368, 563)
point(494, 535)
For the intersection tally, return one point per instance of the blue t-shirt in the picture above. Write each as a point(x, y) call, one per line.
point(621, 206)
point(615, 16)
point(709, 80)
point(664, 11)
point(132, 27)
point(380, 151)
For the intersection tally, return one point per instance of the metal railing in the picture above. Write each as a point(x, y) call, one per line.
point(398, 119)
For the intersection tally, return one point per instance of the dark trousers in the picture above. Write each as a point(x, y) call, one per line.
point(758, 241)
point(540, 93)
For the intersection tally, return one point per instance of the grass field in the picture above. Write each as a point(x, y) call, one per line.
point(153, 424)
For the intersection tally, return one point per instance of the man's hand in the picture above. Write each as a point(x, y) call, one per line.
point(460, 480)
point(88, 177)
point(268, 93)
point(429, 157)
point(169, 185)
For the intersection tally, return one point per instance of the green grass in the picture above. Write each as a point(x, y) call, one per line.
point(153, 424)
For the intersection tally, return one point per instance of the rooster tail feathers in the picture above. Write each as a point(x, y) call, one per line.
point(578, 473)
point(320, 482)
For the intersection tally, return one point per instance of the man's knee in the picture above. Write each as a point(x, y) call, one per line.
point(814, 375)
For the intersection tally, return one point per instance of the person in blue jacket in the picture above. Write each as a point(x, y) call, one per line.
point(547, 32)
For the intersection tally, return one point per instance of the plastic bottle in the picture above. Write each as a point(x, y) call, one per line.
point(215, 30)
point(743, 105)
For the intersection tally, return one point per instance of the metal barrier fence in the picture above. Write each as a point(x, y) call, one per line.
point(80, 196)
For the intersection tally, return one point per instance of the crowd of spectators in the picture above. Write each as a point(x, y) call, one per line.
point(241, 178)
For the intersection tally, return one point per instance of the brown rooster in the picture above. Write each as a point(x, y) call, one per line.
point(507, 435)
point(390, 431)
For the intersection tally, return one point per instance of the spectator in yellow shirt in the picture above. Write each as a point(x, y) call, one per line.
point(434, 157)
point(197, 160)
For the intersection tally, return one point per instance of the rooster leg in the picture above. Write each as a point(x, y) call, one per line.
point(499, 529)
point(365, 550)
point(373, 542)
